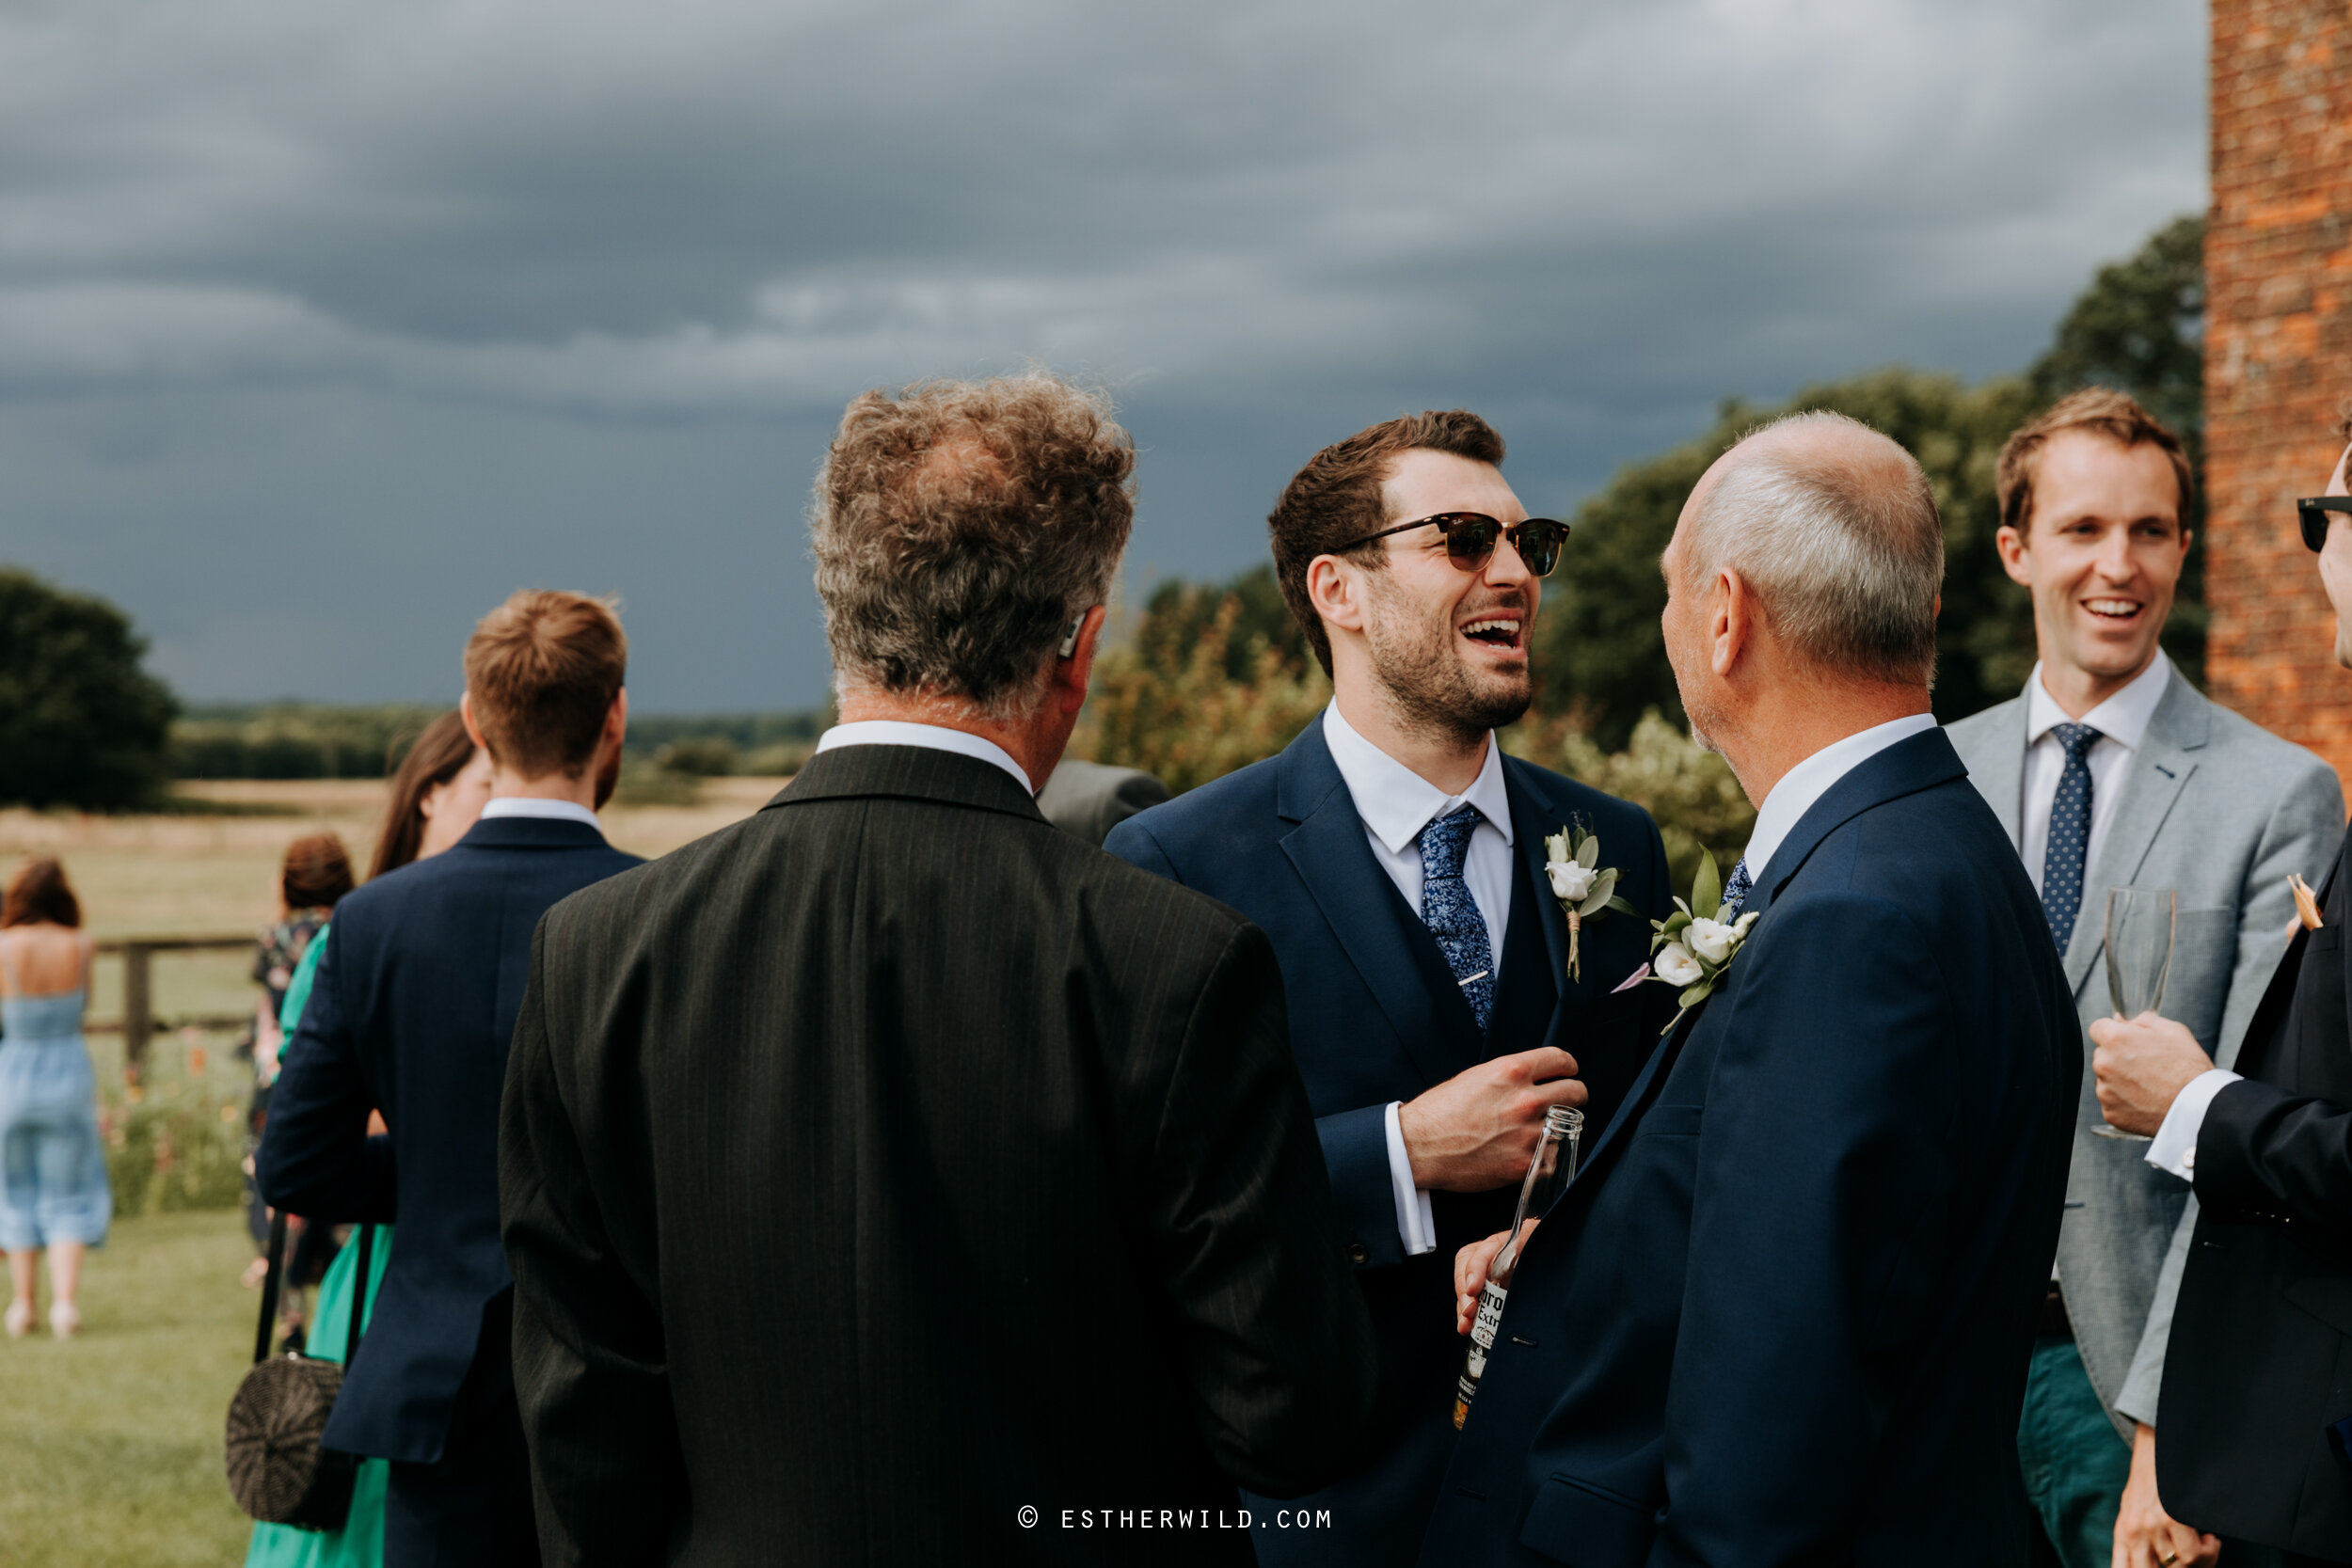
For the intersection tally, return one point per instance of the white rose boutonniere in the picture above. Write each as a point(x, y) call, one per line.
point(1692, 948)
point(1585, 888)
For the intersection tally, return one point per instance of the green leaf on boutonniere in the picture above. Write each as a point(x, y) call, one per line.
point(1585, 888)
point(1706, 888)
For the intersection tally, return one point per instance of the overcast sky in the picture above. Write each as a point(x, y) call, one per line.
point(324, 324)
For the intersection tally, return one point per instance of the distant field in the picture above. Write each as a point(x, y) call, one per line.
point(202, 876)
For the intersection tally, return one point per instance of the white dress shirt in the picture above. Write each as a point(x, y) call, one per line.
point(554, 810)
point(1811, 779)
point(938, 738)
point(1394, 803)
point(2121, 721)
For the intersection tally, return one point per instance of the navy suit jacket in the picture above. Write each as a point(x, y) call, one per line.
point(1376, 1016)
point(1783, 1313)
point(411, 1013)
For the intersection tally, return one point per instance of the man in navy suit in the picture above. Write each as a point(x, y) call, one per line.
point(1783, 1313)
point(411, 1014)
point(1396, 858)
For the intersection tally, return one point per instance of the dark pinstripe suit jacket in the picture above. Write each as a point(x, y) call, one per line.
point(891, 1161)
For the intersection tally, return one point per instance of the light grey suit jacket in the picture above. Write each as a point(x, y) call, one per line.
point(2221, 810)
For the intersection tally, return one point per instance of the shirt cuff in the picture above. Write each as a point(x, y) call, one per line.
point(2174, 1147)
point(1416, 1228)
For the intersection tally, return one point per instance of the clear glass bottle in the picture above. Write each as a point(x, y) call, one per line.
point(1552, 1168)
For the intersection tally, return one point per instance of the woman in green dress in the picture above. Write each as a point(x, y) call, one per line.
point(437, 794)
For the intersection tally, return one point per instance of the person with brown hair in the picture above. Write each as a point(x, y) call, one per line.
point(410, 1013)
point(2111, 771)
point(1396, 857)
point(894, 1177)
point(439, 787)
point(53, 1193)
point(312, 878)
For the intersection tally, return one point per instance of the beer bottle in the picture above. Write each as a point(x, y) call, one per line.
point(1552, 1167)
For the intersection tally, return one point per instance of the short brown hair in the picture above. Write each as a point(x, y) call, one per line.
point(38, 892)
point(436, 757)
point(958, 526)
point(1335, 500)
point(2101, 410)
point(543, 669)
point(316, 872)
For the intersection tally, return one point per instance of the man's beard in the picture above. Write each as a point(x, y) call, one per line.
point(1415, 663)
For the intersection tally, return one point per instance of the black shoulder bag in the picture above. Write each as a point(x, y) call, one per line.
point(278, 1472)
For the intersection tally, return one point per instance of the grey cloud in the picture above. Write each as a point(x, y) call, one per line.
point(524, 244)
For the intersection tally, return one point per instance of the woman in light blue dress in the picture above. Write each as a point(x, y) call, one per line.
point(53, 1194)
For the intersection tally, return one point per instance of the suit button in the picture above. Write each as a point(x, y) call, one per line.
point(1358, 1252)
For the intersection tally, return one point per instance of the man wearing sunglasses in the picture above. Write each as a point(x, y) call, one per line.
point(2110, 769)
point(2256, 1407)
point(1396, 858)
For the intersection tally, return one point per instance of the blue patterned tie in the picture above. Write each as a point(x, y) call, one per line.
point(1452, 915)
point(1735, 892)
point(2070, 835)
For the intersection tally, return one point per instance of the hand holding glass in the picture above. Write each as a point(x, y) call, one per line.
point(2141, 925)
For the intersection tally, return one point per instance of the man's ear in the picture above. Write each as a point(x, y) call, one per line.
point(1070, 675)
point(473, 727)
point(616, 720)
point(1731, 621)
point(1336, 590)
point(2015, 558)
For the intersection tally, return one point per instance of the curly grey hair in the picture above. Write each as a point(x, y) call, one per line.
point(959, 528)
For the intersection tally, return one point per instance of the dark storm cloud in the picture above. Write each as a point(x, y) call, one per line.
point(337, 321)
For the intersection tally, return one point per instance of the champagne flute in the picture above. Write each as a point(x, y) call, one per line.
point(2141, 925)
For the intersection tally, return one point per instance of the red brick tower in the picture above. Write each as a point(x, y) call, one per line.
point(2278, 356)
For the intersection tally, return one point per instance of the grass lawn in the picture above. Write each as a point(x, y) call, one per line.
point(110, 1443)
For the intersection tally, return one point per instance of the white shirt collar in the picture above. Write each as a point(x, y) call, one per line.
point(553, 810)
point(2122, 718)
point(938, 738)
point(1395, 802)
point(1811, 779)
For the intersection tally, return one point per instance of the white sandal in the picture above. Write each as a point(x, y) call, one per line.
point(19, 1319)
point(65, 1320)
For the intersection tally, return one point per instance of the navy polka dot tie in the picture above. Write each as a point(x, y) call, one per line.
point(1452, 915)
point(2070, 835)
point(1735, 892)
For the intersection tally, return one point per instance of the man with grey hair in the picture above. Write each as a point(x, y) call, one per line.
point(1783, 1313)
point(892, 1178)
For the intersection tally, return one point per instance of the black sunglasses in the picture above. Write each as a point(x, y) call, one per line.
point(2312, 511)
point(1470, 539)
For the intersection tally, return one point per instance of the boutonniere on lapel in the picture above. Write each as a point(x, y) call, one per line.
point(1586, 889)
point(1692, 948)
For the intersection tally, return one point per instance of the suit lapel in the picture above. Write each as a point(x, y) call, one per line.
point(1999, 769)
point(1330, 851)
point(1530, 822)
point(2153, 779)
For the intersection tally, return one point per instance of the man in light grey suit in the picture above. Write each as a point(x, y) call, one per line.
point(2110, 770)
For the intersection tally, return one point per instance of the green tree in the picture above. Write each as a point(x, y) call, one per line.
point(2139, 326)
point(81, 725)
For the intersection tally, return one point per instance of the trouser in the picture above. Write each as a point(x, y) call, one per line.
point(472, 1506)
point(2074, 1464)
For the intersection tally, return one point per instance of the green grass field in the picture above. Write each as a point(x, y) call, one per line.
point(110, 1443)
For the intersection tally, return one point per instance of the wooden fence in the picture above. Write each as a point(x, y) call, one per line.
point(139, 1023)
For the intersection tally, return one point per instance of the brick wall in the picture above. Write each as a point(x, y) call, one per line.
point(2279, 355)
